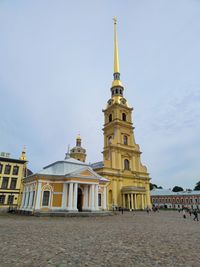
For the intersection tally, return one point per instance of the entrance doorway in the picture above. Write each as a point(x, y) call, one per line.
point(80, 200)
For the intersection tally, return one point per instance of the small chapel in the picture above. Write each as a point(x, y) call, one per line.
point(66, 185)
point(120, 180)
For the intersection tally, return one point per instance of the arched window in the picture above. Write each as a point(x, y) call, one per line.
point(123, 116)
point(45, 199)
point(116, 91)
point(126, 164)
point(125, 140)
point(120, 91)
point(110, 117)
point(110, 140)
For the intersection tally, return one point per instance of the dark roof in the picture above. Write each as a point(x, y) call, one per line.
point(97, 165)
point(12, 160)
point(29, 172)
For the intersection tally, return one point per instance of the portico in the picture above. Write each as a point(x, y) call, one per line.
point(134, 198)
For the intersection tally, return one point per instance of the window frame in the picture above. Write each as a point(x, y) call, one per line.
point(3, 181)
point(13, 187)
point(126, 164)
point(2, 197)
point(5, 169)
point(14, 172)
point(43, 195)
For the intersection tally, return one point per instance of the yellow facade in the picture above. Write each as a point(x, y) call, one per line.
point(11, 173)
point(129, 179)
point(68, 185)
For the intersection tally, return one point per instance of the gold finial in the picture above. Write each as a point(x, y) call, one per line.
point(116, 58)
point(23, 154)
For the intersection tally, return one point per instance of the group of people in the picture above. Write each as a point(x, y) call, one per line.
point(194, 212)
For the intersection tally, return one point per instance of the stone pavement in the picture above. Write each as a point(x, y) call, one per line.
point(132, 239)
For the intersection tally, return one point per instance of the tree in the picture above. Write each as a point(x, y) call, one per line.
point(177, 189)
point(197, 186)
point(153, 186)
point(160, 187)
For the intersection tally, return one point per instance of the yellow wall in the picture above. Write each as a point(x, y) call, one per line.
point(57, 200)
point(17, 192)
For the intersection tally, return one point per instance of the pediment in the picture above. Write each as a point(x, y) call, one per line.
point(87, 173)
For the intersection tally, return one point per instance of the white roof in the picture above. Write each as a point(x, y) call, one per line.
point(70, 168)
point(168, 192)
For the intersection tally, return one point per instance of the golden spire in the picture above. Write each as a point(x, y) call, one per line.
point(116, 74)
point(116, 57)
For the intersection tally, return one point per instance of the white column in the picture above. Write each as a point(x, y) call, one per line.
point(129, 207)
point(96, 197)
point(104, 199)
point(70, 196)
point(135, 201)
point(75, 197)
point(64, 196)
point(38, 197)
point(85, 202)
point(30, 199)
point(92, 197)
point(132, 205)
point(27, 198)
point(142, 196)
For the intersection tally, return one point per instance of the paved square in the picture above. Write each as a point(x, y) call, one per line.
point(139, 239)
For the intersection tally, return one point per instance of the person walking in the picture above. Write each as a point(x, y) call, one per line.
point(122, 210)
point(184, 215)
point(195, 216)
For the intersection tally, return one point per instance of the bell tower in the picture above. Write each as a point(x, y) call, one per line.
point(129, 179)
point(120, 150)
point(78, 152)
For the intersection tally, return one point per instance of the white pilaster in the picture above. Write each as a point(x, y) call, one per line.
point(135, 201)
point(70, 196)
point(38, 196)
point(64, 196)
point(104, 198)
point(92, 197)
point(75, 197)
point(96, 197)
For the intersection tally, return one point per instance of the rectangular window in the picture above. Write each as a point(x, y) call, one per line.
point(7, 169)
point(10, 199)
point(1, 167)
point(13, 183)
point(4, 184)
point(45, 200)
point(99, 200)
point(15, 170)
point(2, 199)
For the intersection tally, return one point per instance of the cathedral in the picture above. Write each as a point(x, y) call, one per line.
point(120, 180)
point(129, 180)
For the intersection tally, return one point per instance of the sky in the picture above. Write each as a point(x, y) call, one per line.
point(56, 70)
